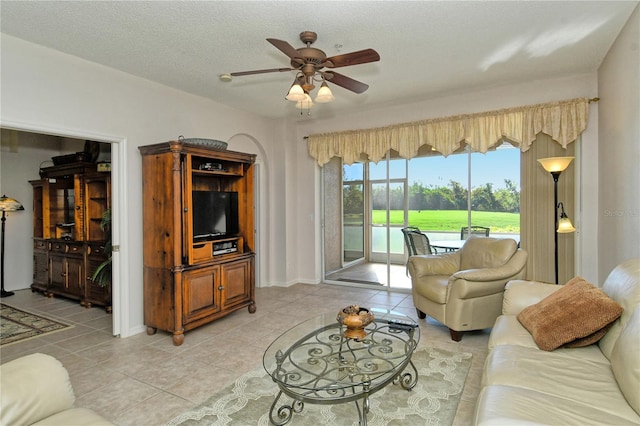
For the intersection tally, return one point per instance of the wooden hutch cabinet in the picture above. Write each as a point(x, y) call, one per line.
point(68, 203)
point(198, 226)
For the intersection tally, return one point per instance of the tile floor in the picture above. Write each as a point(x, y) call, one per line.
point(366, 272)
point(146, 380)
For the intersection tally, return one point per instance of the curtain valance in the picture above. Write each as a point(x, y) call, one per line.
point(564, 121)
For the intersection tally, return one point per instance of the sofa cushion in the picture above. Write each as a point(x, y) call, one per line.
point(625, 360)
point(561, 377)
point(512, 406)
point(576, 315)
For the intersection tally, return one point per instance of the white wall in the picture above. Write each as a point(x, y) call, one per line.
point(533, 92)
point(20, 159)
point(619, 151)
point(46, 89)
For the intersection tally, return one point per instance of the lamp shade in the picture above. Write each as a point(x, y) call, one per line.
point(324, 94)
point(307, 103)
point(555, 164)
point(296, 94)
point(565, 226)
point(9, 204)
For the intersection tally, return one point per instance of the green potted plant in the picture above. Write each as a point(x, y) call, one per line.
point(102, 275)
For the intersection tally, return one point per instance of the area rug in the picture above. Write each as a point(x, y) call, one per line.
point(17, 325)
point(433, 401)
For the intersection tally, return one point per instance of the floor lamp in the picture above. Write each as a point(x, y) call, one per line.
point(561, 224)
point(6, 205)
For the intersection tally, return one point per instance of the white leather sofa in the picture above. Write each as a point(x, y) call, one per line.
point(35, 390)
point(593, 385)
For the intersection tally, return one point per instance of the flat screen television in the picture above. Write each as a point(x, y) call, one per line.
point(215, 214)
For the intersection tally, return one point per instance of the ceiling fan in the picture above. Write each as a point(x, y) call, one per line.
point(311, 62)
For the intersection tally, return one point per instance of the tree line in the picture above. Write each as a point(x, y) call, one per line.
point(454, 196)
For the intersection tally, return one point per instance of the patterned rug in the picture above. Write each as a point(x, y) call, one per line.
point(433, 401)
point(17, 325)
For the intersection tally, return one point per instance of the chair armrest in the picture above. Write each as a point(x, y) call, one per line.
point(434, 264)
point(462, 289)
point(519, 294)
point(484, 275)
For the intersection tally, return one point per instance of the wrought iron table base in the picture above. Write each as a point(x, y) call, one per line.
point(284, 414)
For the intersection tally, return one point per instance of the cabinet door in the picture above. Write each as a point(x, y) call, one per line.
point(75, 276)
point(236, 282)
point(66, 275)
point(60, 209)
point(57, 273)
point(201, 293)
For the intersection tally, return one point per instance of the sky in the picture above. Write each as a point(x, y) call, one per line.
point(493, 167)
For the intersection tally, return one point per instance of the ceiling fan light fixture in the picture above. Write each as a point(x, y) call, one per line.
point(324, 94)
point(309, 62)
point(296, 94)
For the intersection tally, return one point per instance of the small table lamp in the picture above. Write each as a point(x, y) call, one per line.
point(6, 205)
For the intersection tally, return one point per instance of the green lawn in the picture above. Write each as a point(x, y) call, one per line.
point(450, 220)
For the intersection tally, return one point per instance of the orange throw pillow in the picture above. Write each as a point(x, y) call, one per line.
point(578, 314)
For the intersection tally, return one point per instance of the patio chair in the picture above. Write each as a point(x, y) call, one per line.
point(417, 242)
point(475, 230)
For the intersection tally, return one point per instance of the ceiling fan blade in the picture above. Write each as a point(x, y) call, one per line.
point(353, 58)
point(237, 74)
point(287, 49)
point(346, 82)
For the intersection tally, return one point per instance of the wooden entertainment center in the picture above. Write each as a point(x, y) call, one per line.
point(68, 243)
point(189, 280)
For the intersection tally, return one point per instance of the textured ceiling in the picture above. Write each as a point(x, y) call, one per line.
point(427, 48)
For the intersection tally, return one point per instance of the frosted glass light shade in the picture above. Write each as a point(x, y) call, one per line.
point(555, 164)
point(306, 103)
point(296, 94)
point(565, 226)
point(324, 94)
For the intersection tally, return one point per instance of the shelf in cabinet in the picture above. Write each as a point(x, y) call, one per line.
point(217, 173)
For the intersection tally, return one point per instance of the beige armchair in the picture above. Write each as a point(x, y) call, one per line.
point(464, 289)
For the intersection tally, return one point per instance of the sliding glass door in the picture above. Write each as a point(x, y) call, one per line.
point(386, 222)
point(353, 212)
point(366, 211)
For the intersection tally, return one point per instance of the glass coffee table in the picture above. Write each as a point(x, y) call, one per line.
point(314, 363)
